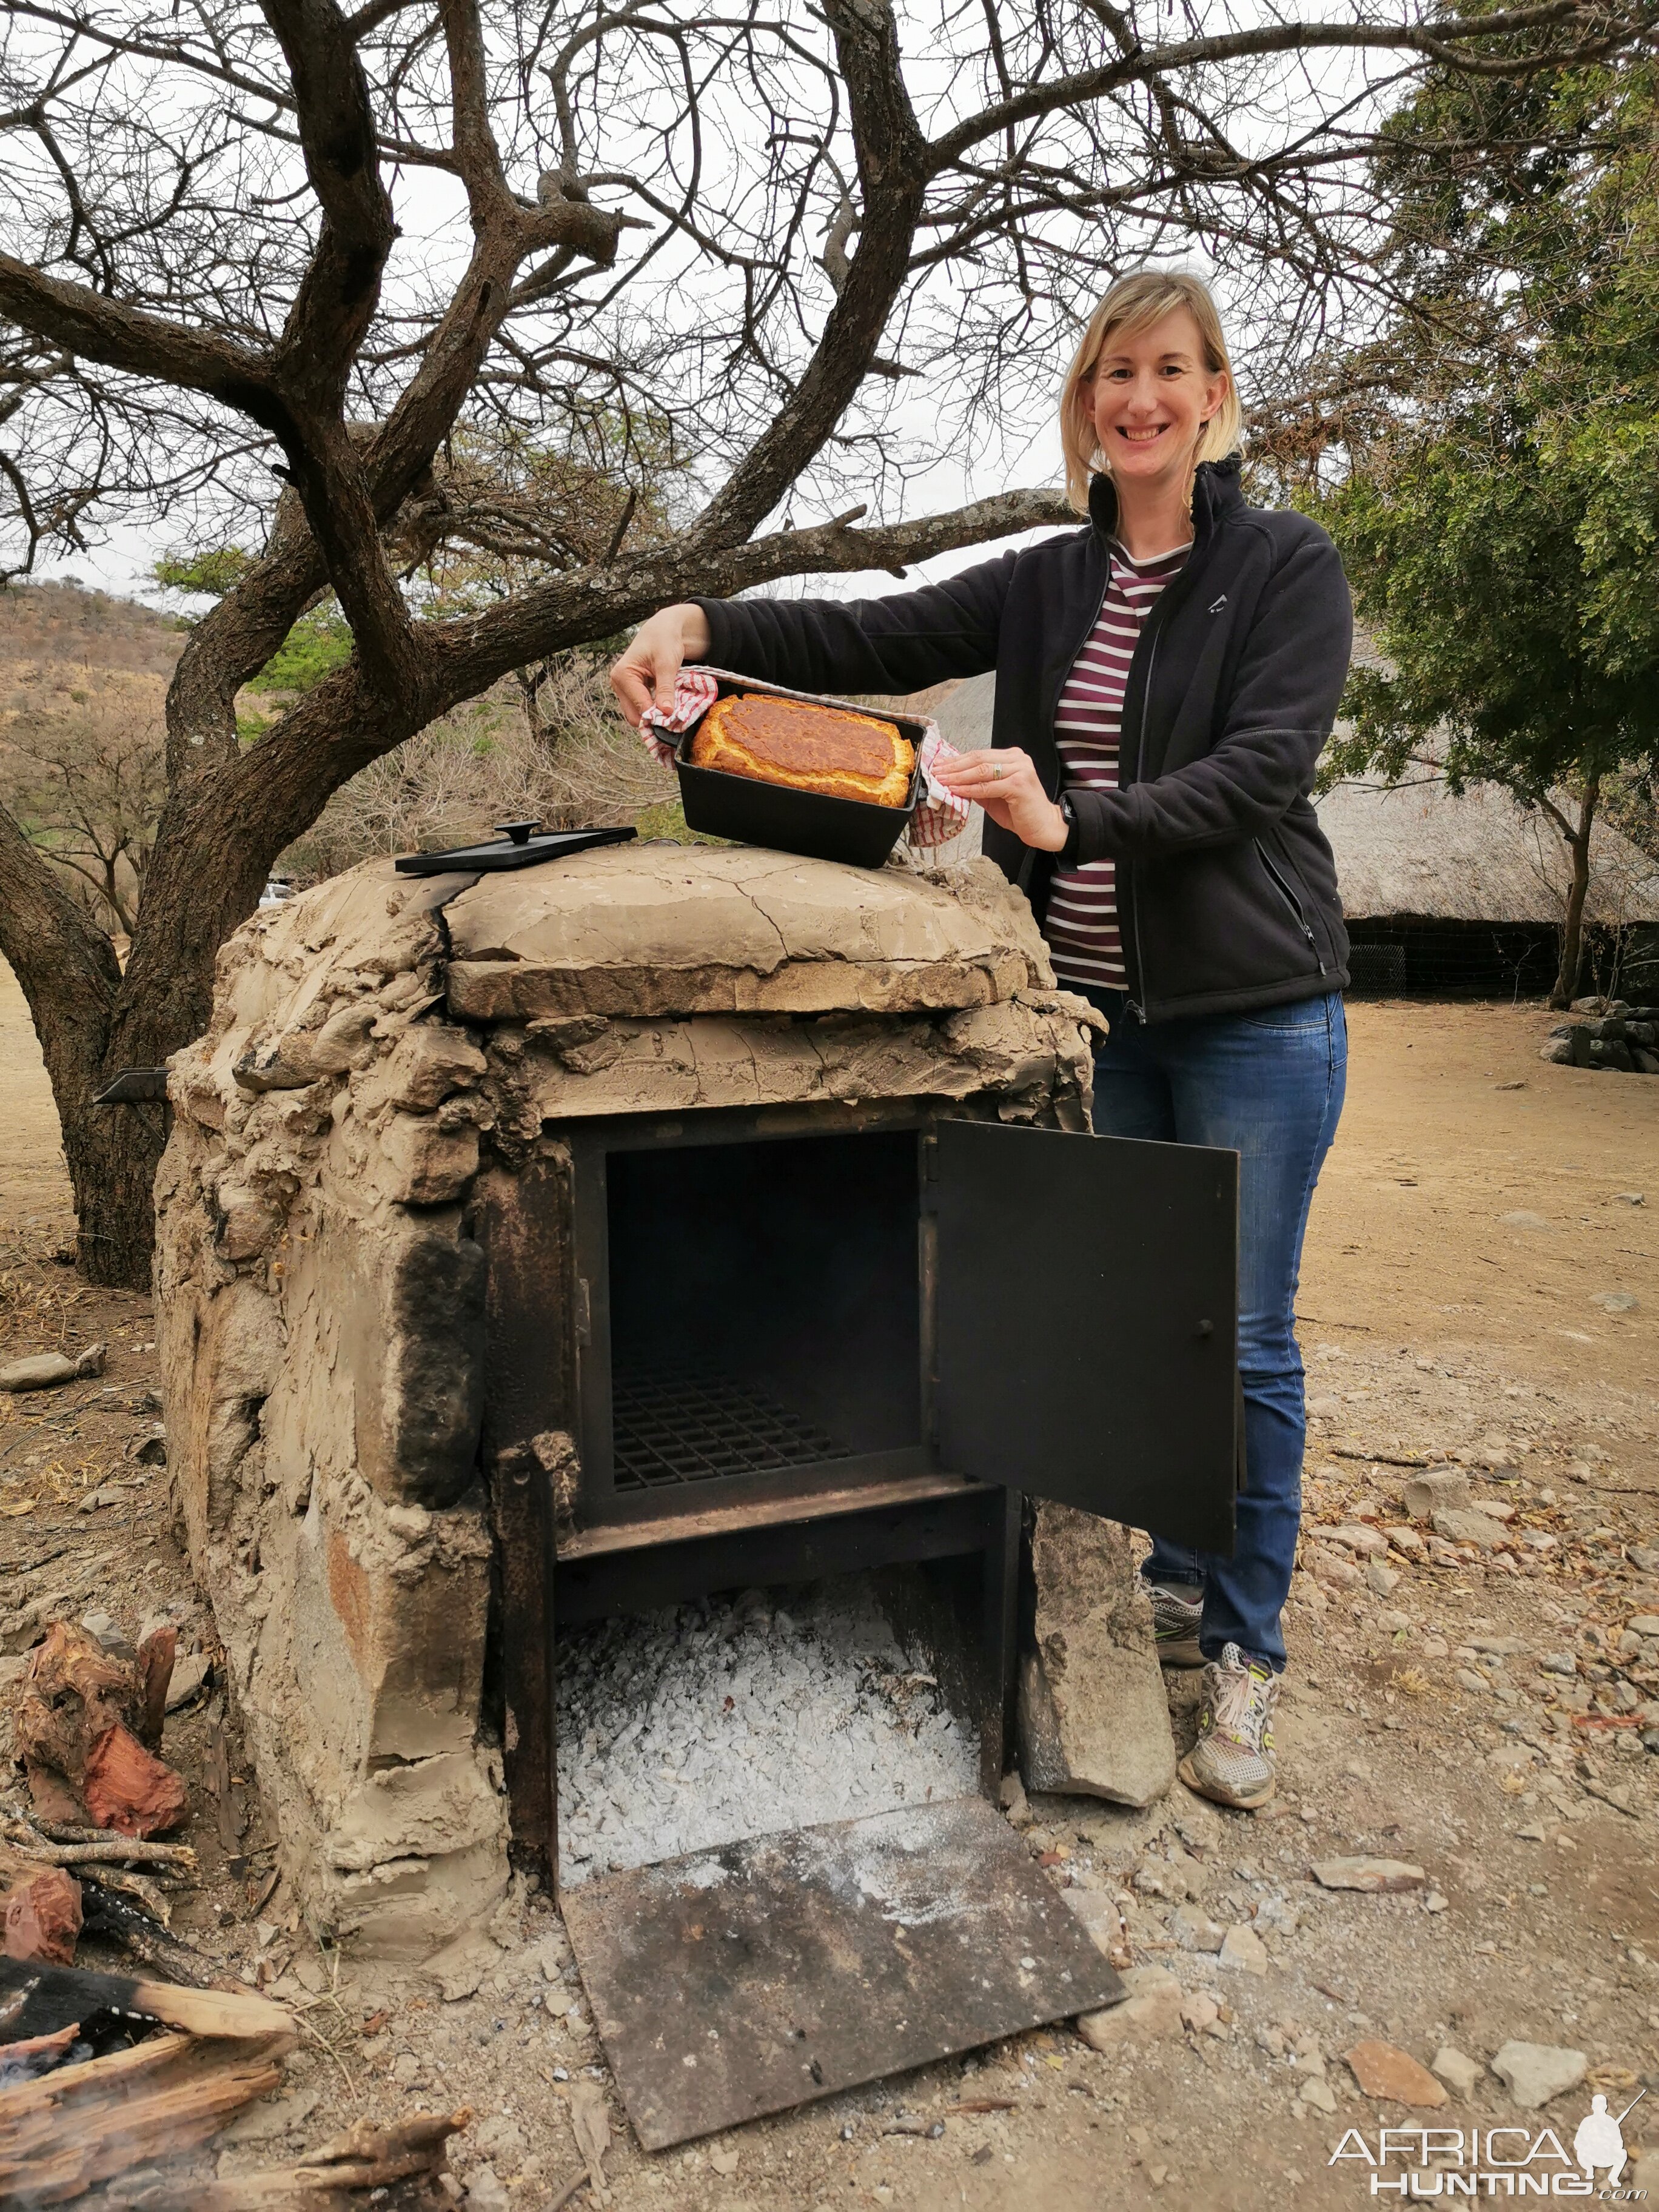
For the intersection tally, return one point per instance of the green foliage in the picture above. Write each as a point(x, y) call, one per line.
point(1502, 534)
point(209, 574)
point(318, 643)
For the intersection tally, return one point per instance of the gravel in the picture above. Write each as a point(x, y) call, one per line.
point(734, 1718)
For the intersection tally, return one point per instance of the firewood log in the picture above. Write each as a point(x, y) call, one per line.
point(125, 1786)
point(81, 2125)
point(157, 1653)
point(79, 1726)
point(339, 2172)
point(38, 1999)
point(43, 1916)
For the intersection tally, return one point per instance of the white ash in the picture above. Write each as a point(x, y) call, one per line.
point(735, 1717)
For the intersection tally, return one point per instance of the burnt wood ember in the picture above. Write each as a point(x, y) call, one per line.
point(39, 1999)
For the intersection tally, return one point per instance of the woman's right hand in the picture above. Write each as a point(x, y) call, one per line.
point(646, 673)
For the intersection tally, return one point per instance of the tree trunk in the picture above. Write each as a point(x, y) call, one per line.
point(69, 972)
point(1577, 842)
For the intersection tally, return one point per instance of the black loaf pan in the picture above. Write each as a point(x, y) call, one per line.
point(751, 812)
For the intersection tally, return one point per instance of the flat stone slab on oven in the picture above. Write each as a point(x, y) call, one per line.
point(649, 930)
point(732, 1983)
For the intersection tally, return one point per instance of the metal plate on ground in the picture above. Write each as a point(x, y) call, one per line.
point(744, 1980)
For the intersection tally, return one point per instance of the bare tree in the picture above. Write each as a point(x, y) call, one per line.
point(90, 779)
point(790, 252)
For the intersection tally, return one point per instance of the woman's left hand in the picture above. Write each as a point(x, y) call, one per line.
point(1005, 783)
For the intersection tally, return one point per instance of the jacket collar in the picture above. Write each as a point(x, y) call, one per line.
point(1216, 492)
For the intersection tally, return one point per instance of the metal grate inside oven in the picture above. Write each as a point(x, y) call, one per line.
point(671, 1426)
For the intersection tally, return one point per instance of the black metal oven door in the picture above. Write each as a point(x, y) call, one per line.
point(1086, 1322)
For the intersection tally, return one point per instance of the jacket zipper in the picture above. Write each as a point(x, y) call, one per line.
point(1291, 901)
point(1155, 623)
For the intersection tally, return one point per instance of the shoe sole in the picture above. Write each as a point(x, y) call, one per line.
point(1180, 1652)
point(1219, 1795)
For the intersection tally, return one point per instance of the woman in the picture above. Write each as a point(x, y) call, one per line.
point(1166, 677)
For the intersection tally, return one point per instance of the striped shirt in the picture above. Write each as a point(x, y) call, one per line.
point(1082, 924)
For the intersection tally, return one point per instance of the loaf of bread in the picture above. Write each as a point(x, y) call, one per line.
point(807, 748)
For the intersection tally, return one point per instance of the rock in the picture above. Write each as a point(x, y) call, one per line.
point(1616, 1300)
point(500, 2137)
point(1317, 2094)
point(1243, 1949)
point(485, 2191)
point(1394, 2076)
point(1558, 1663)
point(1151, 2010)
point(1461, 2074)
point(1470, 1680)
point(1383, 1580)
point(1559, 1050)
point(1495, 1510)
point(1368, 1873)
point(1340, 1574)
point(1404, 1540)
point(1440, 1487)
point(1500, 1647)
point(1643, 1623)
point(45, 1371)
point(1099, 1914)
point(1520, 1218)
point(1199, 2012)
point(1370, 1542)
point(277, 2116)
point(1094, 1719)
point(190, 1675)
point(1013, 1801)
point(1193, 1930)
point(1533, 2073)
point(1474, 1527)
point(725, 2161)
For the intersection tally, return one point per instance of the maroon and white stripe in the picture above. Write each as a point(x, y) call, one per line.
point(1082, 924)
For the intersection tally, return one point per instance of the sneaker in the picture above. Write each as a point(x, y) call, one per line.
point(1232, 1761)
point(1175, 1625)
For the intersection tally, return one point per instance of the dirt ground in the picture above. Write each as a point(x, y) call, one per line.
point(1484, 1223)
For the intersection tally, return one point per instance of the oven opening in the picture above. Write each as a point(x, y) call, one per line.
point(765, 1306)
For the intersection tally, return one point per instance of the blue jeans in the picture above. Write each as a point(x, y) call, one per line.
point(1268, 1086)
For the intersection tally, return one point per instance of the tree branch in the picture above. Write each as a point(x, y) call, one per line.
point(83, 321)
point(1145, 63)
point(892, 167)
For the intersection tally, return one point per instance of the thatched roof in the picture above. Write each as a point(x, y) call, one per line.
point(1417, 853)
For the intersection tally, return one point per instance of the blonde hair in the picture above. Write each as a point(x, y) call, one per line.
point(1134, 303)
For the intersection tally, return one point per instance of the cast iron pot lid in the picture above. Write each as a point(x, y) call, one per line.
point(522, 849)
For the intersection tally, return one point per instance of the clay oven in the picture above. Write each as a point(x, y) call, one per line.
point(647, 1222)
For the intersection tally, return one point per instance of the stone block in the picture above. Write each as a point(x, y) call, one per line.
point(421, 1164)
point(1440, 1487)
point(1093, 1717)
point(1150, 2011)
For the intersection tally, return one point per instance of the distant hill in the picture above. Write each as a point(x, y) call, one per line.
point(63, 625)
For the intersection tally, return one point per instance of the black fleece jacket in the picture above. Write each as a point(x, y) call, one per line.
point(1226, 886)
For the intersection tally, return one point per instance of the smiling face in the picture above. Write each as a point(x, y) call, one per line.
point(1151, 395)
